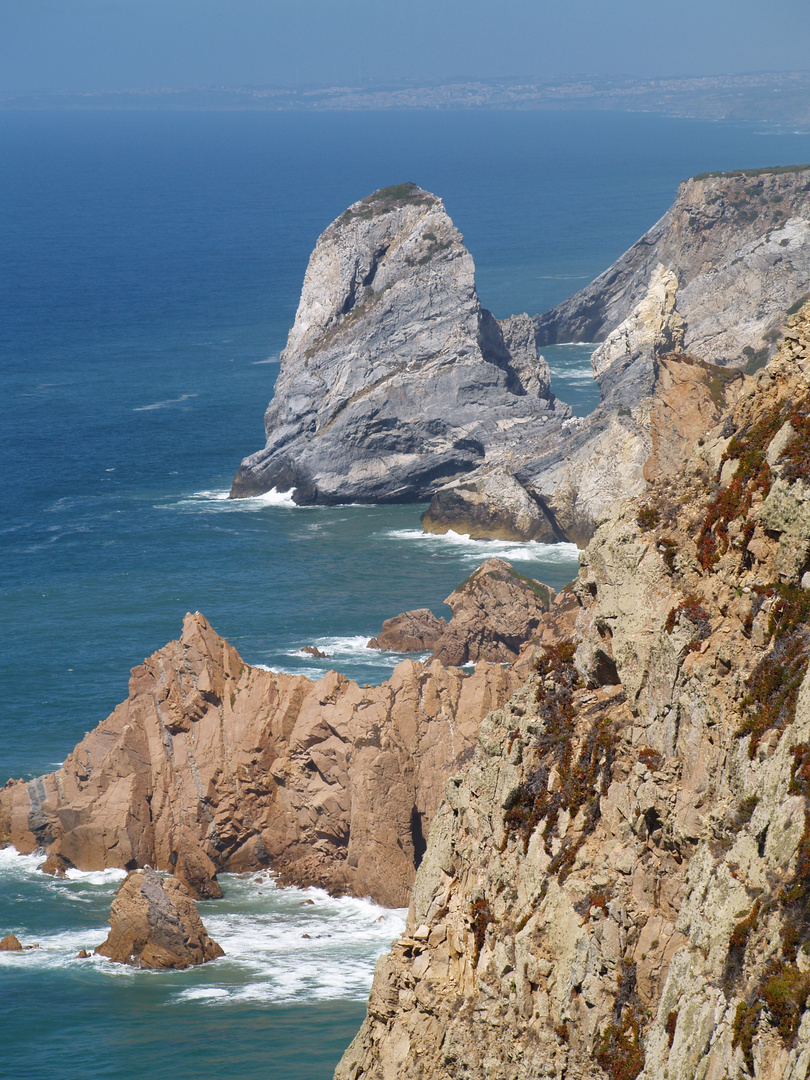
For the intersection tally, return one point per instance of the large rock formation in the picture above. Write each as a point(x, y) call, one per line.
point(738, 245)
point(394, 378)
point(154, 924)
point(618, 887)
point(212, 764)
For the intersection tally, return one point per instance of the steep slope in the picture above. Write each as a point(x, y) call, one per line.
point(394, 378)
point(618, 884)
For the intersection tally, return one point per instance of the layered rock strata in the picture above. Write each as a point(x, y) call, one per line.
point(394, 378)
point(617, 886)
point(739, 246)
point(155, 924)
point(211, 764)
point(496, 612)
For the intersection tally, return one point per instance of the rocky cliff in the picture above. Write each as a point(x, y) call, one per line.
point(212, 764)
point(738, 245)
point(617, 886)
point(394, 378)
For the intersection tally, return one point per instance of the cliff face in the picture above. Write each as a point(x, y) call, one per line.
point(212, 764)
point(394, 378)
point(738, 245)
point(618, 884)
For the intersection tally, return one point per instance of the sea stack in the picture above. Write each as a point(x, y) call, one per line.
point(394, 379)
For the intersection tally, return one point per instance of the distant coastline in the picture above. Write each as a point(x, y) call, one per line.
point(773, 97)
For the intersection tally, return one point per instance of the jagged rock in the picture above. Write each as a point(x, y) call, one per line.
point(56, 865)
point(412, 631)
point(154, 924)
point(197, 872)
point(394, 379)
point(489, 504)
point(10, 944)
point(331, 783)
point(313, 650)
point(617, 885)
point(495, 612)
point(83, 954)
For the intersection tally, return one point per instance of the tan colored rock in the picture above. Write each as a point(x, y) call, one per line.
point(154, 924)
point(413, 631)
point(213, 763)
point(495, 613)
point(689, 399)
point(617, 884)
point(10, 944)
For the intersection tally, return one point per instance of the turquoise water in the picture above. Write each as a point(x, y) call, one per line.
point(151, 267)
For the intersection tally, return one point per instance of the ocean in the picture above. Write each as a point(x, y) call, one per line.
point(151, 269)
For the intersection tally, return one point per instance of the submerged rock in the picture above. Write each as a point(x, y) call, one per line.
point(394, 378)
point(154, 924)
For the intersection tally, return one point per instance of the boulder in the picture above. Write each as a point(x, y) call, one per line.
point(495, 613)
point(154, 924)
point(10, 944)
point(412, 631)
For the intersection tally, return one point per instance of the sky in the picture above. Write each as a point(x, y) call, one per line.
point(127, 44)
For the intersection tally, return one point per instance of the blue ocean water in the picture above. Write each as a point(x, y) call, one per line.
point(151, 268)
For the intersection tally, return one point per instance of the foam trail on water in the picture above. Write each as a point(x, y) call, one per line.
point(479, 550)
point(219, 502)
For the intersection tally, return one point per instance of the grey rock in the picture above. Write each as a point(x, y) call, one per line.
point(739, 245)
point(490, 504)
point(394, 379)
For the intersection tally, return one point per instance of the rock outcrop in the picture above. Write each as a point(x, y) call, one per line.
point(490, 504)
point(412, 631)
point(496, 611)
point(211, 764)
point(394, 379)
point(617, 886)
point(155, 924)
point(738, 245)
point(10, 943)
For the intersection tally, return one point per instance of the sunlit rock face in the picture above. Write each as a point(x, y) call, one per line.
point(394, 378)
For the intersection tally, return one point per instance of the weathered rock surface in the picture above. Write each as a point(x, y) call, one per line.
point(394, 379)
point(412, 631)
point(496, 611)
point(489, 504)
point(738, 245)
point(617, 886)
point(211, 764)
point(154, 924)
point(10, 943)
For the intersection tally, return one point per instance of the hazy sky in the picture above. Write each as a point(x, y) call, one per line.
point(116, 44)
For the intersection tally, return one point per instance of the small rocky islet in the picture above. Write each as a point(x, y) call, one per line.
point(602, 829)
